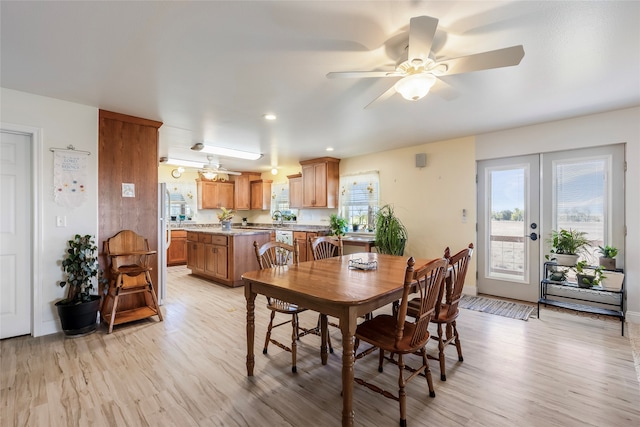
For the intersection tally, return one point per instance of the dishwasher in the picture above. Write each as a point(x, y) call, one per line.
point(284, 236)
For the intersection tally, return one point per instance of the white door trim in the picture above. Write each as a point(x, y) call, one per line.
point(36, 219)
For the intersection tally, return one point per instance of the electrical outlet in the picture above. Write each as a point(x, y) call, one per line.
point(61, 221)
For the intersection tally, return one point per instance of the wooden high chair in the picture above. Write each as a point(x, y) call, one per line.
point(129, 255)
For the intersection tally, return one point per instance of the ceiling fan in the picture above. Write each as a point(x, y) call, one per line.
point(419, 69)
point(213, 170)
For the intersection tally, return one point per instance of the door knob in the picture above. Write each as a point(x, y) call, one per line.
point(532, 236)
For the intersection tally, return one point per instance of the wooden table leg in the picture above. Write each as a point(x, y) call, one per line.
point(324, 331)
point(348, 328)
point(251, 327)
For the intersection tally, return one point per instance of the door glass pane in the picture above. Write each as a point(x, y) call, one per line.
point(580, 200)
point(508, 225)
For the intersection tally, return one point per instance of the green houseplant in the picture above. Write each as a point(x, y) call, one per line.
point(225, 218)
point(78, 310)
point(566, 246)
point(607, 260)
point(588, 276)
point(338, 225)
point(391, 234)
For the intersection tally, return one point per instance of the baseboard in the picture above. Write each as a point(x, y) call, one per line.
point(632, 317)
point(471, 290)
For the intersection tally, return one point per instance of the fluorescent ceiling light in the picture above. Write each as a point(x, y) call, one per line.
point(179, 162)
point(229, 152)
point(269, 116)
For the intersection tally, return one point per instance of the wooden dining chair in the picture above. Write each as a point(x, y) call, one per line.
point(129, 254)
point(397, 335)
point(447, 311)
point(326, 247)
point(278, 254)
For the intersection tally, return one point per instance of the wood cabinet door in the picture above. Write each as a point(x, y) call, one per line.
point(242, 193)
point(177, 252)
point(215, 261)
point(295, 192)
point(308, 186)
point(261, 195)
point(195, 256)
point(320, 180)
point(225, 195)
point(207, 195)
point(301, 238)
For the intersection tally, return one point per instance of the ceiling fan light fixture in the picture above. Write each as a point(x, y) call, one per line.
point(415, 86)
point(209, 175)
point(229, 152)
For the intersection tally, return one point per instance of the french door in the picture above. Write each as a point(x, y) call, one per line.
point(508, 227)
point(521, 199)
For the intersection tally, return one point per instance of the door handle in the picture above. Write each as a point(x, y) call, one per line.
point(532, 236)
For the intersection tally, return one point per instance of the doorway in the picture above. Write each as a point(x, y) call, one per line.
point(521, 199)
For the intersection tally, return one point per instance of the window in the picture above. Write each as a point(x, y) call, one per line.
point(359, 198)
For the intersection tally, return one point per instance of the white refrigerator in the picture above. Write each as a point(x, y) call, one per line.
point(164, 239)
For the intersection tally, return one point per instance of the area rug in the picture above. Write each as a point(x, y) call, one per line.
point(496, 306)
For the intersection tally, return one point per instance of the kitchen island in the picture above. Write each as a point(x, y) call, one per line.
point(223, 256)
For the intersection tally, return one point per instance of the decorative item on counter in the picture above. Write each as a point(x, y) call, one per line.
point(244, 222)
point(225, 218)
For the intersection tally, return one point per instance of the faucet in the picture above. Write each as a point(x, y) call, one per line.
point(277, 216)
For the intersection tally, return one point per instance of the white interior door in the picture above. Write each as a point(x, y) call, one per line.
point(508, 227)
point(15, 235)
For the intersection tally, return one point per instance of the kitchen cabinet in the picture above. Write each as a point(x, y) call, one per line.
point(215, 194)
point(295, 191)
point(216, 257)
point(224, 257)
point(195, 252)
point(177, 252)
point(304, 248)
point(243, 190)
point(261, 194)
point(320, 181)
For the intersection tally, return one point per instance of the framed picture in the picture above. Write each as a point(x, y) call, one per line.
point(128, 190)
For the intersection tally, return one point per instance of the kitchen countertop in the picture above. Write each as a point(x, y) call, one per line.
point(255, 227)
point(218, 230)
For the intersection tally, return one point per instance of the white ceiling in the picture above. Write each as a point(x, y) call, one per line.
point(210, 70)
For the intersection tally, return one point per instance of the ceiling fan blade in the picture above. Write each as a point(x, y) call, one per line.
point(422, 29)
point(359, 74)
point(385, 95)
point(507, 57)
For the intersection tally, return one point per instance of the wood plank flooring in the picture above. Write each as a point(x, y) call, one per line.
point(564, 369)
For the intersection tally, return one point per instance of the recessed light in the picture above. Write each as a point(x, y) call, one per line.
point(269, 116)
point(274, 171)
point(329, 148)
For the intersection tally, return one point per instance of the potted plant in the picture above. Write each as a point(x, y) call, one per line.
point(78, 311)
point(566, 246)
point(586, 276)
point(607, 260)
point(391, 234)
point(225, 218)
point(338, 225)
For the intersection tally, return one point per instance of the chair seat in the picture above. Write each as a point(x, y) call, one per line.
point(442, 315)
point(380, 331)
point(130, 269)
point(284, 307)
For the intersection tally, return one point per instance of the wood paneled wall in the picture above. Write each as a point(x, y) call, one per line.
point(128, 153)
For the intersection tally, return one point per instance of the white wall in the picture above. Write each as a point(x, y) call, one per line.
point(621, 126)
point(429, 201)
point(59, 124)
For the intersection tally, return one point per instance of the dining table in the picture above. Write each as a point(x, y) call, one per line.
point(345, 287)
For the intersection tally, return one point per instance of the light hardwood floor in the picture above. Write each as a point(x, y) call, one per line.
point(564, 369)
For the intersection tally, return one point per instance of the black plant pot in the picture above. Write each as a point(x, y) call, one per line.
point(79, 319)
